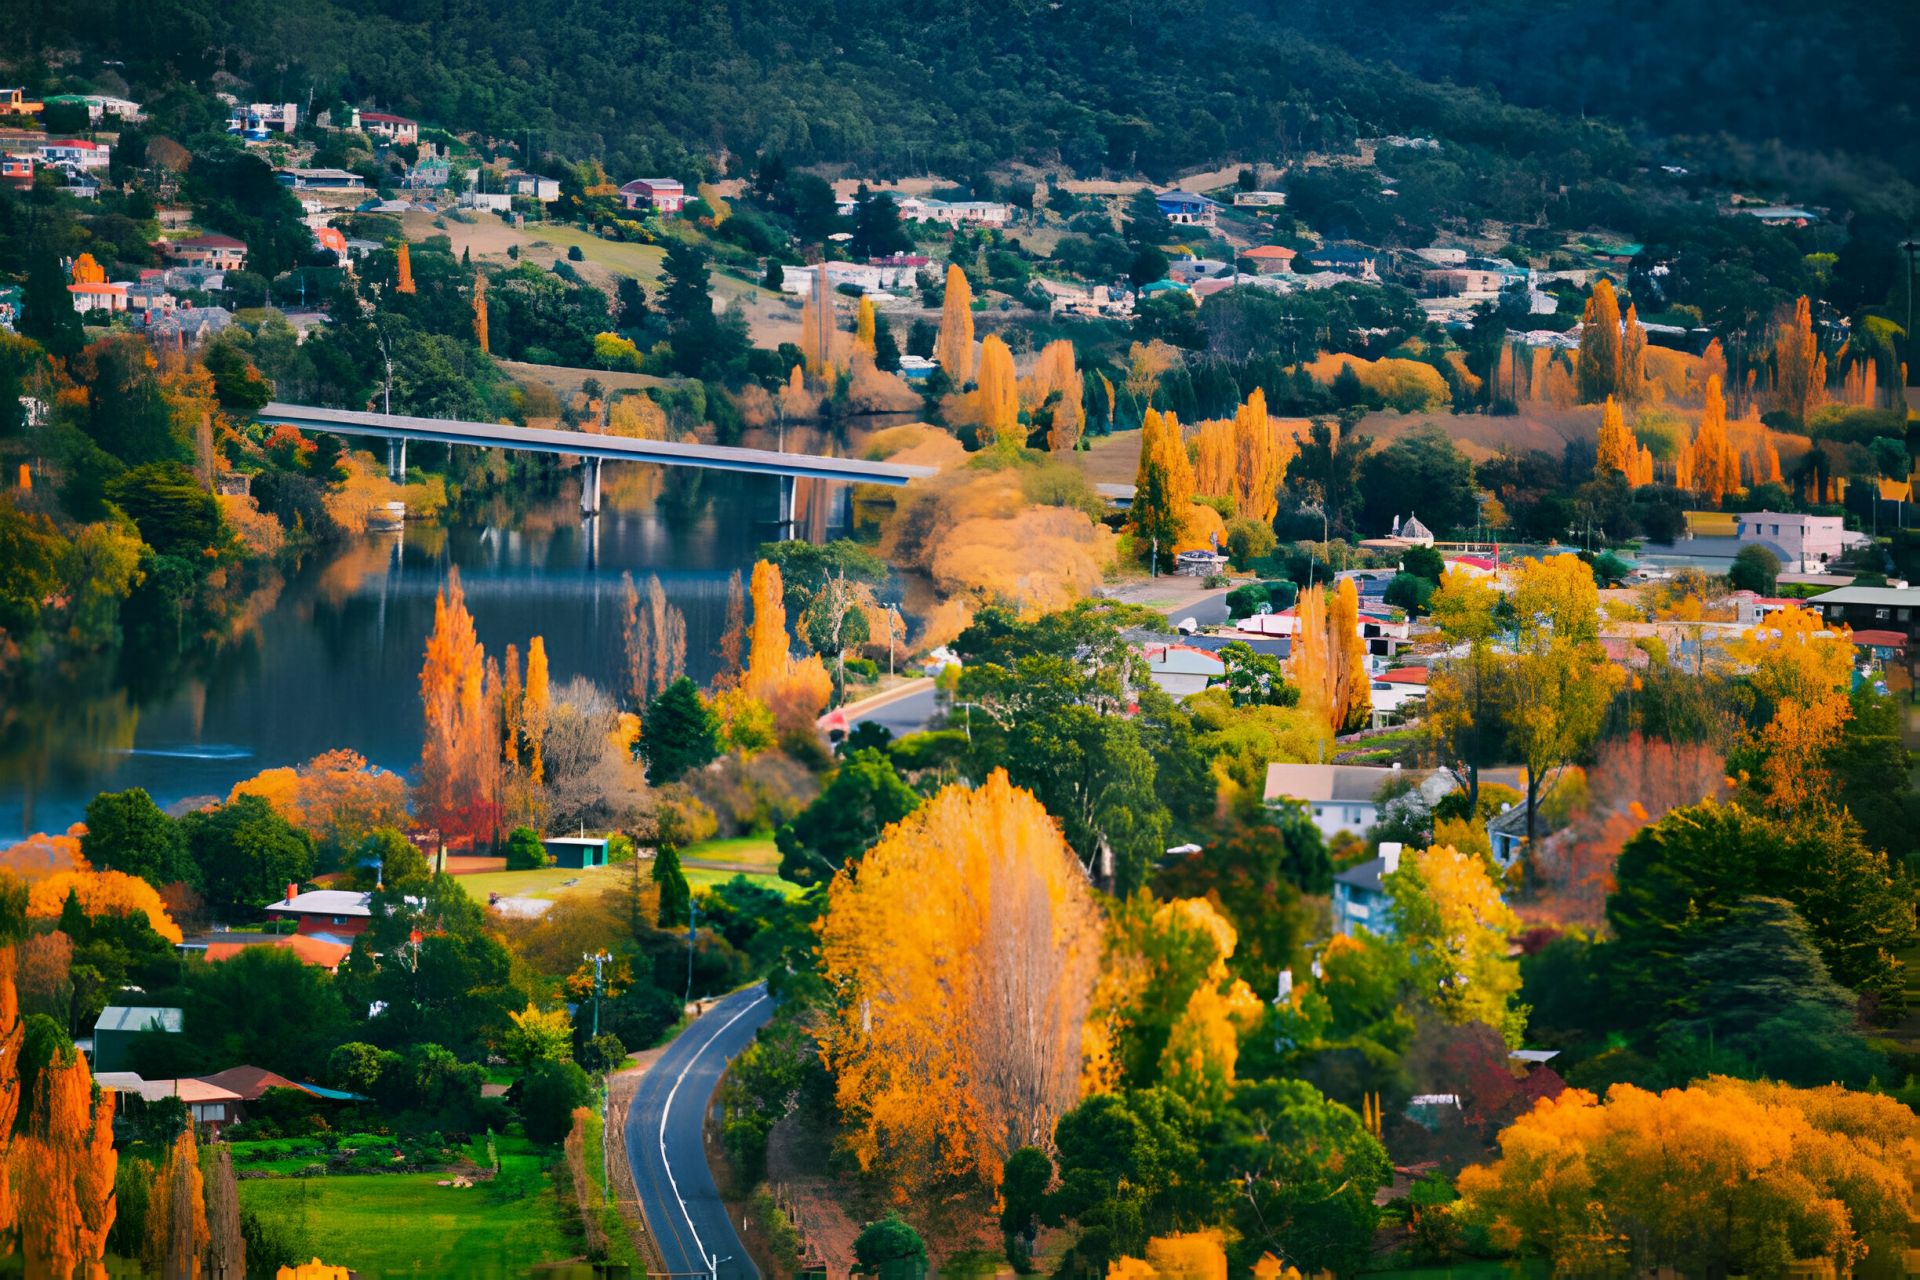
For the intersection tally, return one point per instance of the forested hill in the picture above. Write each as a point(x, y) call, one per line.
point(957, 85)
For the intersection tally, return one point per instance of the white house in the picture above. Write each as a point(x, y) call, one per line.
point(1259, 199)
point(1181, 669)
point(533, 186)
point(390, 128)
point(1804, 543)
point(1345, 797)
point(486, 201)
point(75, 154)
point(1395, 689)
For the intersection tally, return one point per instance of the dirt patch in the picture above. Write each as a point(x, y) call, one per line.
point(467, 864)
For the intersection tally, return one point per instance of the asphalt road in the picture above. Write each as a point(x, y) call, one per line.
point(677, 1192)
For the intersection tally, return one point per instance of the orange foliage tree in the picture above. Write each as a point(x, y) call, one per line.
point(1599, 365)
point(63, 1167)
point(101, 893)
point(455, 791)
point(1054, 391)
point(1633, 357)
point(403, 269)
point(1802, 669)
point(1351, 694)
point(12, 1035)
point(655, 640)
point(953, 350)
point(1799, 370)
point(177, 1231)
point(1163, 485)
point(997, 402)
point(336, 797)
point(796, 691)
point(480, 310)
point(1710, 467)
point(962, 952)
point(87, 271)
point(536, 706)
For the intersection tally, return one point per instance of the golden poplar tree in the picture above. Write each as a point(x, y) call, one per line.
point(458, 754)
point(537, 708)
point(1802, 669)
point(768, 648)
point(999, 394)
point(954, 348)
point(512, 708)
point(1600, 355)
point(1213, 458)
point(1054, 389)
point(1260, 458)
point(962, 952)
point(480, 311)
point(1350, 698)
point(1313, 658)
point(63, 1169)
point(1163, 484)
point(177, 1233)
point(1799, 370)
point(1713, 468)
point(863, 328)
point(1633, 357)
point(403, 270)
point(12, 1033)
point(1616, 449)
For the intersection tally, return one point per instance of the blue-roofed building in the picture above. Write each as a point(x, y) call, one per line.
point(1187, 208)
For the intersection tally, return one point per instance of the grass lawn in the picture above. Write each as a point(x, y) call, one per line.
point(551, 882)
point(751, 851)
point(383, 1225)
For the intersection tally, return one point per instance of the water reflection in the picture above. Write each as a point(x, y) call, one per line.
point(331, 656)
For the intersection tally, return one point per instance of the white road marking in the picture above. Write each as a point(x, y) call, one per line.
point(666, 1110)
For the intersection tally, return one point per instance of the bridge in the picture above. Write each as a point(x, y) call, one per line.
point(398, 429)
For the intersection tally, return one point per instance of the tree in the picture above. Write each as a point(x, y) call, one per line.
point(1420, 474)
point(480, 327)
point(954, 349)
point(177, 1232)
point(538, 1036)
point(226, 1253)
point(1163, 486)
point(1801, 670)
point(524, 850)
point(883, 1245)
point(1600, 359)
point(247, 854)
point(455, 791)
point(1755, 569)
point(863, 328)
point(1054, 394)
point(126, 831)
point(676, 899)
point(47, 315)
point(733, 636)
point(1351, 693)
point(1710, 467)
point(1799, 369)
point(865, 796)
point(536, 708)
point(403, 270)
point(963, 949)
point(1255, 679)
point(680, 732)
point(998, 396)
point(1126, 1174)
point(1616, 450)
point(655, 640)
point(1783, 1173)
point(549, 1092)
point(1448, 915)
point(769, 651)
point(1682, 876)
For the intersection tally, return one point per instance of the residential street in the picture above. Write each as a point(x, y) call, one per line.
point(663, 1137)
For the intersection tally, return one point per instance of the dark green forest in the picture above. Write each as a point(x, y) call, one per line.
point(1153, 86)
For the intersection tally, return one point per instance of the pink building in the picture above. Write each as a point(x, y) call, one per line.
point(662, 195)
point(378, 124)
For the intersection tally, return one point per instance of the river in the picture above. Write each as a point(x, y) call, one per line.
point(329, 654)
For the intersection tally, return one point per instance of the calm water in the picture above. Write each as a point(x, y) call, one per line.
point(330, 657)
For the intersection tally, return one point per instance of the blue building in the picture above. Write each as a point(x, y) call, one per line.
point(1187, 208)
point(1359, 901)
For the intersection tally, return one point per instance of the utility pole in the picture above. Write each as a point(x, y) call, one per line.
point(597, 959)
point(693, 917)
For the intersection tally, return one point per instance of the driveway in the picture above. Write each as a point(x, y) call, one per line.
point(665, 1146)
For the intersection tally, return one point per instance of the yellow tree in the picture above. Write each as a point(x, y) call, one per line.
point(863, 328)
point(1616, 449)
point(177, 1232)
point(536, 708)
point(403, 270)
point(1799, 370)
point(1261, 454)
point(1449, 915)
point(480, 311)
point(1163, 485)
point(1600, 353)
point(1713, 468)
point(1802, 669)
point(1213, 458)
point(1312, 656)
point(954, 348)
point(1054, 390)
point(1350, 695)
point(1633, 357)
point(733, 636)
point(961, 952)
point(999, 395)
point(63, 1165)
point(87, 271)
point(768, 648)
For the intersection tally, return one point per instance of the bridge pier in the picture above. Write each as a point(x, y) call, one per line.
point(397, 460)
point(590, 489)
point(785, 519)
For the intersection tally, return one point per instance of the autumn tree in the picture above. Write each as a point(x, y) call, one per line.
point(1447, 913)
point(1710, 466)
point(733, 635)
point(998, 397)
point(1802, 670)
point(1313, 658)
point(177, 1232)
point(12, 1035)
point(1616, 448)
point(1054, 394)
point(863, 328)
point(1799, 368)
point(403, 269)
point(795, 691)
point(1462, 720)
point(1600, 358)
point(480, 311)
point(953, 350)
point(226, 1252)
point(1627, 1184)
point(63, 1165)
point(1163, 485)
point(961, 953)
point(1633, 358)
point(654, 638)
point(536, 708)
point(455, 791)
point(87, 271)
point(1350, 692)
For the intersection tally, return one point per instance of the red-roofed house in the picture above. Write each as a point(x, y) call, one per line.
point(1478, 566)
point(339, 913)
point(662, 195)
point(98, 297)
point(1269, 259)
point(75, 153)
point(221, 253)
point(378, 124)
point(16, 170)
point(1881, 646)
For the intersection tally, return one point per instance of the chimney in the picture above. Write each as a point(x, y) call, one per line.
point(292, 890)
point(1389, 857)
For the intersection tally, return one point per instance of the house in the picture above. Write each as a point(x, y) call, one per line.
point(1360, 895)
point(1259, 199)
point(1441, 256)
point(15, 102)
point(1188, 270)
point(1474, 566)
point(486, 201)
point(16, 170)
point(579, 852)
point(1187, 208)
point(79, 185)
point(1889, 608)
point(965, 213)
point(1181, 669)
point(1781, 215)
point(1805, 544)
point(334, 913)
point(663, 196)
point(118, 1024)
point(150, 297)
point(1881, 646)
point(75, 154)
point(429, 174)
point(1411, 531)
point(389, 128)
point(1384, 632)
point(91, 298)
point(99, 106)
point(11, 297)
point(533, 186)
point(259, 120)
point(321, 180)
point(1345, 797)
point(195, 279)
point(249, 1083)
point(1507, 831)
point(916, 369)
point(222, 253)
point(207, 1104)
point(1395, 689)
point(1269, 259)
point(315, 952)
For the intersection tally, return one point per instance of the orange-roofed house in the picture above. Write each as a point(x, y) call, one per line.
point(1269, 259)
point(317, 952)
point(106, 298)
point(1394, 689)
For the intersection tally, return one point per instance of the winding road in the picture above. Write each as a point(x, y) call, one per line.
point(665, 1146)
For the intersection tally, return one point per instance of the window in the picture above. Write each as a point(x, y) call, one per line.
point(339, 919)
point(1880, 615)
point(1904, 614)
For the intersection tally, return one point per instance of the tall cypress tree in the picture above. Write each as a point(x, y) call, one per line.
point(676, 899)
point(49, 317)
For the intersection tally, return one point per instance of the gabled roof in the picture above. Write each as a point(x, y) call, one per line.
point(1869, 595)
point(1178, 196)
point(1269, 253)
point(1364, 875)
point(1345, 782)
point(1403, 675)
point(307, 948)
point(1879, 639)
point(324, 902)
point(248, 1083)
point(134, 1017)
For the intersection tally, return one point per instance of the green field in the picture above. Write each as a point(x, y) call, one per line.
point(552, 882)
point(404, 1224)
point(750, 851)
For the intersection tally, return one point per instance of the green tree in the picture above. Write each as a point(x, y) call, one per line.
point(1127, 1166)
point(676, 899)
point(1420, 474)
point(48, 316)
point(1023, 1197)
point(1755, 569)
point(890, 1248)
point(679, 732)
point(864, 796)
point(549, 1092)
point(524, 850)
point(1256, 679)
point(247, 853)
point(176, 516)
point(126, 831)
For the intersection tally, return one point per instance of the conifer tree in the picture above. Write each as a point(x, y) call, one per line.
point(999, 396)
point(676, 899)
point(480, 311)
point(47, 314)
point(954, 348)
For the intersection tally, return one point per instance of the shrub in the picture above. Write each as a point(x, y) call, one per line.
point(549, 1092)
point(524, 850)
